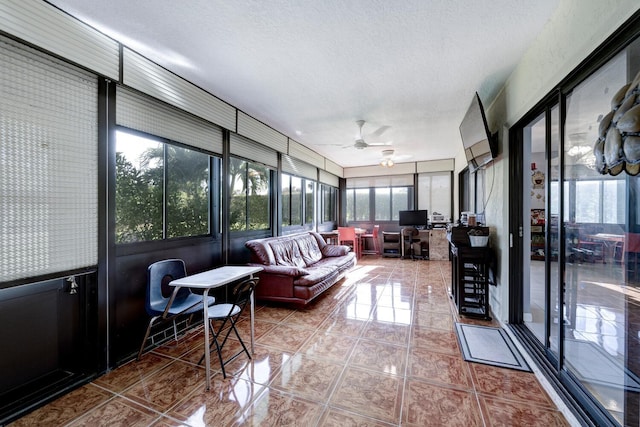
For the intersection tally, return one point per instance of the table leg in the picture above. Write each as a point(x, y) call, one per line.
point(207, 355)
point(252, 311)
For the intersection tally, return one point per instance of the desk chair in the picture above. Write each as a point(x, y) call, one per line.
point(163, 308)
point(229, 313)
point(347, 236)
point(409, 238)
point(374, 237)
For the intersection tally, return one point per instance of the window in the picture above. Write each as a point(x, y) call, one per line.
point(328, 200)
point(588, 201)
point(358, 204)
point(399, 201)
point(434, 193)
point(298, 200)
point(249, 185)
point(162, 190)
point(387, 202)
point(309, 201)
point(383, 204)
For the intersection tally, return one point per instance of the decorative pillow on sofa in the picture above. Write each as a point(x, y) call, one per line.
point(286, 252)
point(335, 250)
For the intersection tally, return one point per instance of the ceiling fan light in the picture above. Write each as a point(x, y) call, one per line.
point(386, 163)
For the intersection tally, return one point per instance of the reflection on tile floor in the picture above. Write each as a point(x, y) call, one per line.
point(377, 349)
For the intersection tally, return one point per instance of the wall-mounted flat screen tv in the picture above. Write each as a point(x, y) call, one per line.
point(415, 218)
point(480, 146)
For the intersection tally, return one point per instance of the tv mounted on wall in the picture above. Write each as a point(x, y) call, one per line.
point(480, 146)
point(415, 218)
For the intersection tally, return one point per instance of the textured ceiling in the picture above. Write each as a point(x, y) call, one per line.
point(310, 69)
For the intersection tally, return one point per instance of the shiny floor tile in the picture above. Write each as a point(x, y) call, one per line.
point(313, 379)
point(377, 349)
point(428, 404)
point(370, 394)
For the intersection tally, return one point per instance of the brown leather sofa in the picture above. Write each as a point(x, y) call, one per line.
point(298, 267)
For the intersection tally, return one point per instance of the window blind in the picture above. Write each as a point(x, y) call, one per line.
point(251, 150)
point(330, 179)
point(299, 168)
point(48, 165)
point(145, 114)
point(380, 181)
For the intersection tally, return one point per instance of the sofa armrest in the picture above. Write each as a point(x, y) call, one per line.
point(284, 270)
point(335, 250)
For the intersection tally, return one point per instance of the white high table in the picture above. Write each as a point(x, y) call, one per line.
point(213, 279)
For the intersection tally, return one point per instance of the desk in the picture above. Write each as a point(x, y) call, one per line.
point(212, 279)
point(331, 237)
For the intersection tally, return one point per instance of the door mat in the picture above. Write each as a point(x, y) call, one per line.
point(490, 346)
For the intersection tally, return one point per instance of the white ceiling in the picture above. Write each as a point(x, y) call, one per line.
point(311, 68)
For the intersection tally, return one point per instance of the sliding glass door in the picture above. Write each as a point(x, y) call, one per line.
point(581, 236)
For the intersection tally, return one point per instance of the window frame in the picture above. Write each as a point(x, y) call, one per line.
point(213, 192)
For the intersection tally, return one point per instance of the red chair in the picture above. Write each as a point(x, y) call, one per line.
point(347, 236)
point(374, 240)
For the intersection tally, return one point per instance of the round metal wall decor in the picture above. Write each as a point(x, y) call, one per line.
point(618, 146)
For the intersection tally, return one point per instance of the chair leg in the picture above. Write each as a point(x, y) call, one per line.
point(146, 336)
point(175, 330)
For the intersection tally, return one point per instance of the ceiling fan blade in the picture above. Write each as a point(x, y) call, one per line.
point(378, 144)
point(378, 132)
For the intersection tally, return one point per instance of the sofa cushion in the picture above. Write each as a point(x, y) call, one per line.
point(260, 252)
point(286, 252)
point(335, 250)
point(316, 275)
point(309, 249)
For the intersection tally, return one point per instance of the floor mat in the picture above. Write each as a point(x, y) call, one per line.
point(491, 346)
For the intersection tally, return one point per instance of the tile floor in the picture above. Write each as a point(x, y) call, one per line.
point(377, 349)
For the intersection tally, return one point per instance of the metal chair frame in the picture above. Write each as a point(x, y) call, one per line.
point(230, 313)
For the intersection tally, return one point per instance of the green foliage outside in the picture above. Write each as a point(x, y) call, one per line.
point(139, 195)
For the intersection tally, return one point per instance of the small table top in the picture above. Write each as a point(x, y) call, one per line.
point(216, 277)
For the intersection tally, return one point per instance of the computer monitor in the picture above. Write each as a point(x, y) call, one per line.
point(414, 218)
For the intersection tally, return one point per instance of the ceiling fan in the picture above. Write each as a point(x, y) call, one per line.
point(360, 142)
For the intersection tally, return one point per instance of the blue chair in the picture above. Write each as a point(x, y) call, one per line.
point(162, 308)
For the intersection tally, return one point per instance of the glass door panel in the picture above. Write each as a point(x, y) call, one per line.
point(534, 195)
point(556, 307)
point(600, 331)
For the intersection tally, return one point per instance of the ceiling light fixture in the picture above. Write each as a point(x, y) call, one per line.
point(387, 159)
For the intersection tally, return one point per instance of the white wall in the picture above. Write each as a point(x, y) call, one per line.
point(575, 30)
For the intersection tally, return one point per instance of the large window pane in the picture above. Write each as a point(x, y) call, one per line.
point(286, 199)
point(258, 196)
point(238, 189)
point(309, 203)
point(296, 200)
point(351, 208)
point(328, 203)
point(139, 188)
point(187, 192)
point(383, 204)
point(613, 201)
point(434, 193)
point(362, 212)
point(399, 201)
point(588, 201)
